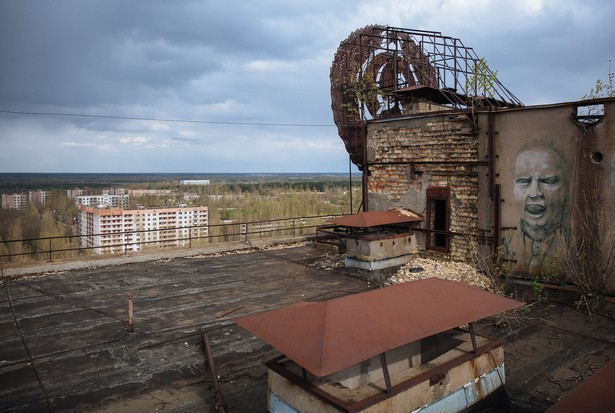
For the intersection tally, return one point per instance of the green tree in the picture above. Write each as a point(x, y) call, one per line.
point(16, 247)
point(602, 89)
point(49, 227)
point(482, 80)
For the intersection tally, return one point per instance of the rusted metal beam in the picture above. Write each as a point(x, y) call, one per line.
point(229, 312)
point(218, 397)
point(385, 372)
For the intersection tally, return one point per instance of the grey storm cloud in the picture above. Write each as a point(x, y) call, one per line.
point(245, 61)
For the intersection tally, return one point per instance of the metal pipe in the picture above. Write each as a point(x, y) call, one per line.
point(491, 151)
point(218, 397)
point(497, 218)
point(365, 177)
point(130, 313)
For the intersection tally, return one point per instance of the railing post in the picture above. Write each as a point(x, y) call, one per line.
point(130, 328)
point(50, 250)
point(189, 237)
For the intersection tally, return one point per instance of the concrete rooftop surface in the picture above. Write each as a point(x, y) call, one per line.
point(64, 343)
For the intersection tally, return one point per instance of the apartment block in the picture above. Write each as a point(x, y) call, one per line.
point(39, 196)
point(108, 200)
point(18, 202)
point(194, 182)
point(117, 230)
point(74, 193)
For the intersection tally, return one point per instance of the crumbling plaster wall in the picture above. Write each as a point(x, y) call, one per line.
point(437, 150)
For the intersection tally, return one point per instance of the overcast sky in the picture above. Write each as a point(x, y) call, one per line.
point(263, 62)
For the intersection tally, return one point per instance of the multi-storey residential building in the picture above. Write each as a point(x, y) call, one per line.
point(112, 230)
point(116, 191)
point(154, 192)
point(194, 182)
point(15, 201)
point(39, 196)
point(120, 201)
point(74, 193)
point(20, 201)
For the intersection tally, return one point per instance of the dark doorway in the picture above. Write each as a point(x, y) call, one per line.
point(438, 218)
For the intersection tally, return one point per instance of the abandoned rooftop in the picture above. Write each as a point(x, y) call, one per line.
point(383, 310)
point(67, 346)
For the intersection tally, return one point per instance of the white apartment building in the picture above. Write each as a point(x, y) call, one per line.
point(120, 201)
point(194, 182)
point(116, 230)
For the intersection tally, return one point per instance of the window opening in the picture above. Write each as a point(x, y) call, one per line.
point(438, 218)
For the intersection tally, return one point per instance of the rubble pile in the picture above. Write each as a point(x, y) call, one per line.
point(329, 262)
point(420, 268)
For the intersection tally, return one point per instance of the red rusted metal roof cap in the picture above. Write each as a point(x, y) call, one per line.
point(593, 395)
point(377, 218)
point(328, 336)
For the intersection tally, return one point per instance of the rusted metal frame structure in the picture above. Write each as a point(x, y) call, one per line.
point(404, 65)
point(374, 65)
point(278, 365)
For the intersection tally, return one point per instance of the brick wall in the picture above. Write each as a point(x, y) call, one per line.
point(408, 156)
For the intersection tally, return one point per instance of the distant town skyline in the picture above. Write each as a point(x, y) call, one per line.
point(205, 87)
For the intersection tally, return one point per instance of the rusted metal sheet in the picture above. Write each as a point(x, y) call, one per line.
point(328, 336)
point(377, 218)
point(593, 395)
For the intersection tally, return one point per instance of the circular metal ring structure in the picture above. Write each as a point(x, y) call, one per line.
point(368, 66)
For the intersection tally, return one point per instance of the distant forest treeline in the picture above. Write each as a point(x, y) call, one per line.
point(16, 182)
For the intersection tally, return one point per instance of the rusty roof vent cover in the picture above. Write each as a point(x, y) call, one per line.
point(328, 336)
point(377, 218)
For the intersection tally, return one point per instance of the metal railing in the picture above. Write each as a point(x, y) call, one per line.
point(137, 241)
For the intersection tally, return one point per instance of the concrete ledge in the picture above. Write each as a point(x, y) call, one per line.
point(145, 256)
point(377, 265)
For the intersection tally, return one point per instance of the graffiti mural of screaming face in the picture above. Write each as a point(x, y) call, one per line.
point(540, 191)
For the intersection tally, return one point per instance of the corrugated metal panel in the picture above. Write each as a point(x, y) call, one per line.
point(328, 336)
point(377, 218)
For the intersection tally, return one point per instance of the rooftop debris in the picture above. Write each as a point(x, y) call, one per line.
point(421, 268)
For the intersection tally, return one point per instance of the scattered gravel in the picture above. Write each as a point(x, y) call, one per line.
point(420, 268)
point(417, 269)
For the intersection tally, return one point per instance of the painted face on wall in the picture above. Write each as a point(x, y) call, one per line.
point(540, 191)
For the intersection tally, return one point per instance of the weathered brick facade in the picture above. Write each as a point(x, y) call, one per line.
point(406, 157)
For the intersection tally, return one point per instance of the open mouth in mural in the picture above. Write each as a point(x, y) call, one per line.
point(535, 210)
